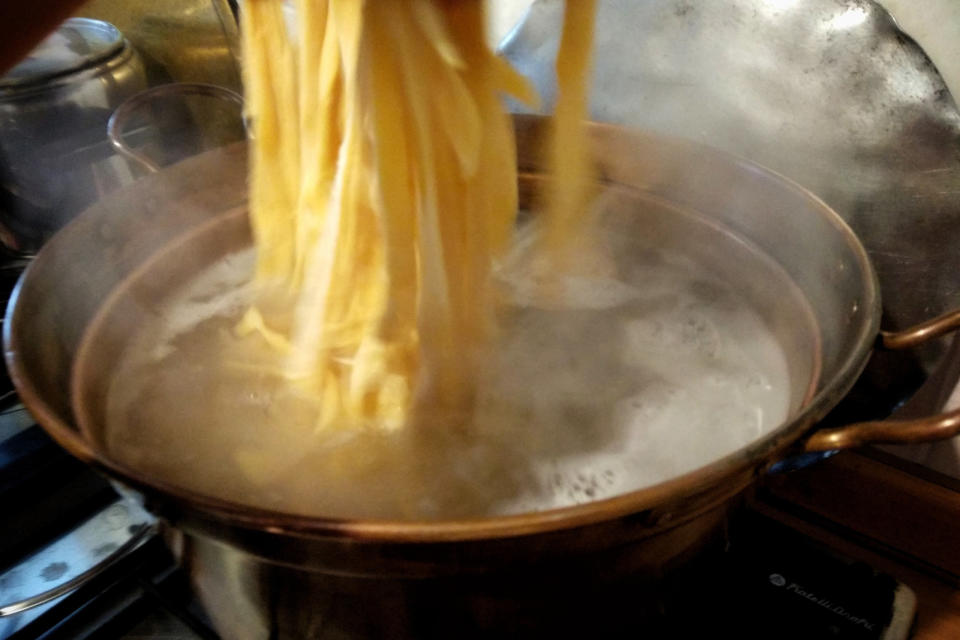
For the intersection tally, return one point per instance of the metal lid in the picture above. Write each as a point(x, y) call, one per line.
point(78, 43)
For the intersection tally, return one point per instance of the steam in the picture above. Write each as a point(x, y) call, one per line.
point(652, 367)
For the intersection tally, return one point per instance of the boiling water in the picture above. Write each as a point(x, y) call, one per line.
point(627, 382)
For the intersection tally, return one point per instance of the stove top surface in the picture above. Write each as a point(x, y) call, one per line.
point(768, 581)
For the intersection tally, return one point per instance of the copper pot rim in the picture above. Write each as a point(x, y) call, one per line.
point(754, 458)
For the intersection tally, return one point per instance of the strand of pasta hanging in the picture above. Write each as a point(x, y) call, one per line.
point(383, 186)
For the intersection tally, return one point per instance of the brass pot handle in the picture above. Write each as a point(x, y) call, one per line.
point(937, 427)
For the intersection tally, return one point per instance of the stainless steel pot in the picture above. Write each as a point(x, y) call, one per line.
point(55, 159)
point(265, 574)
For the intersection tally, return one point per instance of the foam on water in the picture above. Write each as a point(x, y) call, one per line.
point(611, 387)
point(672, 377)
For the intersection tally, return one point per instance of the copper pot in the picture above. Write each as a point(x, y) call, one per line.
point(268, 574)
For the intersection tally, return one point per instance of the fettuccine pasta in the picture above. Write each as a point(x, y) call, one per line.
point(383, 187)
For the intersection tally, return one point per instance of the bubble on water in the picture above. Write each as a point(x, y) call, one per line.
point(698, 332)
point(579, 485)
